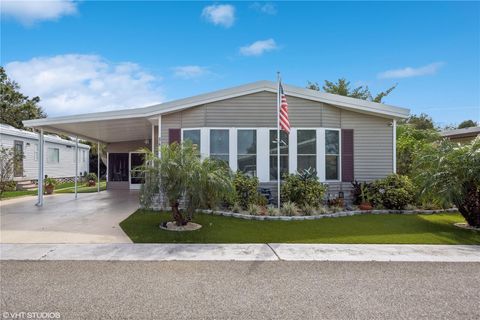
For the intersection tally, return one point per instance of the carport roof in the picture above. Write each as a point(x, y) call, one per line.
point(135, 124)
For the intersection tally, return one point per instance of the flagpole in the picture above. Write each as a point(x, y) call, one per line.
point(278, 141)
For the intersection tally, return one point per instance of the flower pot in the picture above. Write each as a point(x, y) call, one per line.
point(49, 188)
point(365, 206)
point(91, 183)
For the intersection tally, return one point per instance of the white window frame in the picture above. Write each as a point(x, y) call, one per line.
point(263, 149)
point(48, 157)
point(259, 174)
point(288, 154)
point(316, 146)
point(203, 140)
point(209, 132)
point(339, 155)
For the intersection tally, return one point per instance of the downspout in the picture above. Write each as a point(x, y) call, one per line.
point(394, 126)
point(40, 168)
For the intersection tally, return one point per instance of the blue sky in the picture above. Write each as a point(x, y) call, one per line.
point(93, 56)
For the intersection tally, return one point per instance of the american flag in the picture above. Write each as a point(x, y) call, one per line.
point(283, 114)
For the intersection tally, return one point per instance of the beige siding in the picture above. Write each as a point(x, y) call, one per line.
point(194, 117)
point(173, 120)
point(373, 145)
point(331, 116)
point(253, 110)
point(373, 135)
point(304, 113)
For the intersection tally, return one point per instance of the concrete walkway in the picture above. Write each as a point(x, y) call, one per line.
point(92, 218)
point(241, 252)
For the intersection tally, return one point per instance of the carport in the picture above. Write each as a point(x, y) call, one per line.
point(124, 132)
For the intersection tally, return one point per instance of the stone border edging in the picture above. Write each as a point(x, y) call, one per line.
point(320, 216)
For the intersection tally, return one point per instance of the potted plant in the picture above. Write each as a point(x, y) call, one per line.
point(366, 197)
point(50, 185)
point(91, 179)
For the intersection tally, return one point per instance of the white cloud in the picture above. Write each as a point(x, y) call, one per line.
point(409, 72)
point(190, 72)
point(222, 14)
point(74, 83)
point(267, 8)
point(29, 12)
point(258, 47)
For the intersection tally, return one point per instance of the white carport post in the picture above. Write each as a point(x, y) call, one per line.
point(98, 166)
point(76, 166)
point(40, 168)
point(159, 144)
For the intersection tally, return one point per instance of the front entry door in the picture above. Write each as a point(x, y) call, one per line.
point(136, 175)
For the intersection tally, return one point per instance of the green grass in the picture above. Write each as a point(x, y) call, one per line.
point(142, 227)
point(14, 194)
point(67, 187)
point(82, 188)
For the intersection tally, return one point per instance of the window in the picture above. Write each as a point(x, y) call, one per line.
point(219, 144)
point(306, 150)
point(332, 154)
point(193, 136)
point(35, 152)
point(53, 155)
point(247, 151)
point(283, 154)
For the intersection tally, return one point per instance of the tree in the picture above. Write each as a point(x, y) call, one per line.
point(14, 106)
point(180, 174)
point(9, 160)
point(410, 141)
point(450, 173)
point(467, 124)
point(421, 122)
point(342, 87)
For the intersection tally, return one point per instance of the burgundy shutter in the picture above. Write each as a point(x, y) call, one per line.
point(347, 155)
point(174, 135)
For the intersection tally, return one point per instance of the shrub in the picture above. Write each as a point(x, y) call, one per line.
point(289, 209)
point(253, 209)
point(303, 188)
point(261, 200)
point(236, 207)
point(9, 186)
point(308, 210)
point(321, 210)
point(393, 192)
point(450, 173)
point(91, 176)
point(272, 211)
point(50, 182)
point(245, 189)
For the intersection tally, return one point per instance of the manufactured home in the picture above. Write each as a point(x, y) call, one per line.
point(342, 138)
point(59, 154)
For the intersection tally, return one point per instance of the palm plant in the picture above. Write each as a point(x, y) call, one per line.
point(179, 173)
point(450, 173)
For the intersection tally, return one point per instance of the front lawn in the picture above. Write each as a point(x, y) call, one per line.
point(14, 194)
point(67, 187)
point(82, 188)
point(142, 227)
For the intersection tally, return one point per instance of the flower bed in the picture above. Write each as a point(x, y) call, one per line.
point(321, 216)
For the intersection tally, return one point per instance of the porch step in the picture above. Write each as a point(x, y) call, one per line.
point(26, 185)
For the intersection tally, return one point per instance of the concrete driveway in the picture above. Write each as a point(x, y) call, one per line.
point(92, 218)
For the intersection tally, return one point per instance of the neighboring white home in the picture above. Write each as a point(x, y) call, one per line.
point(342, 138)
point(59, 154)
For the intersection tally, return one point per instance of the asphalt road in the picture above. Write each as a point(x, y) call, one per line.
point(242, 290)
